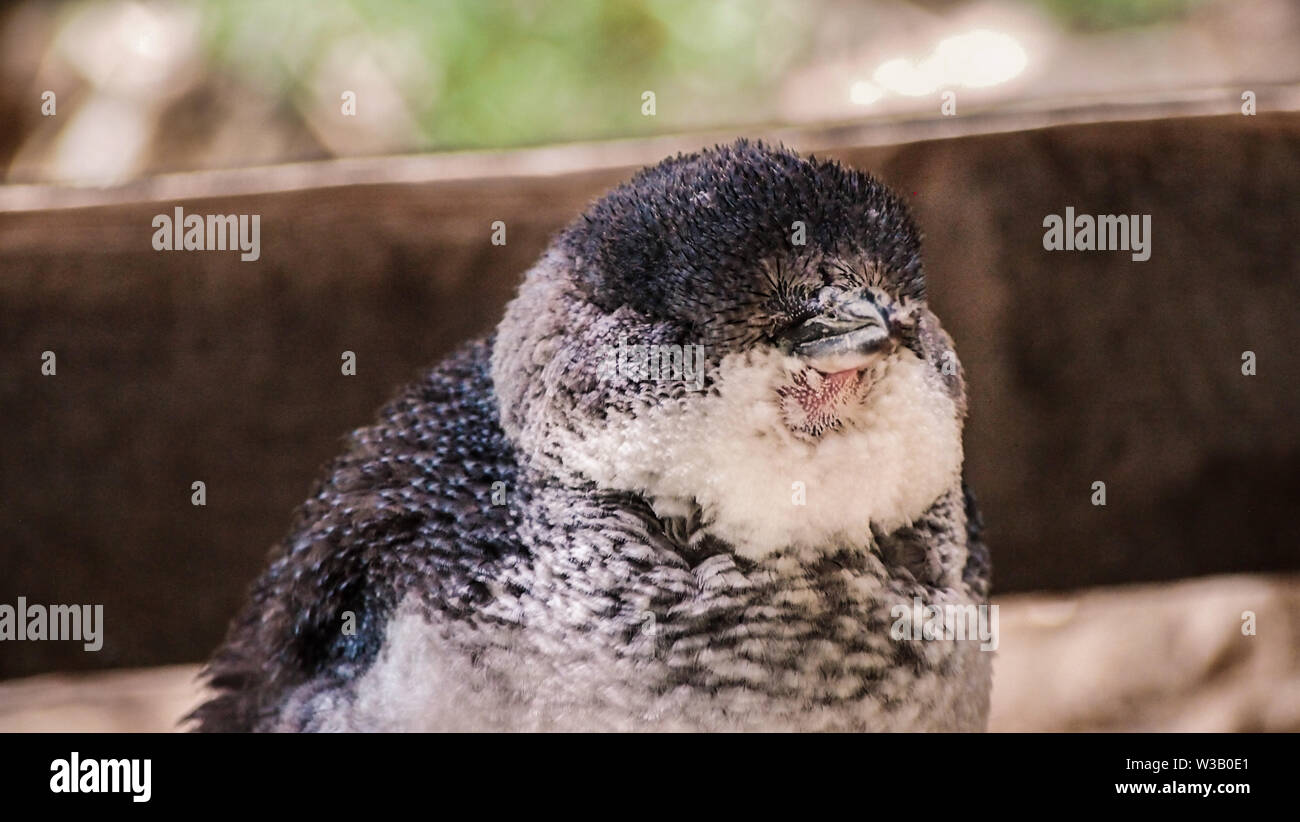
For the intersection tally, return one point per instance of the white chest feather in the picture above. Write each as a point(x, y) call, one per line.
point(761, 488)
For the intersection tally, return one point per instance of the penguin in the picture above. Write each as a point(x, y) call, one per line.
point(700, 477)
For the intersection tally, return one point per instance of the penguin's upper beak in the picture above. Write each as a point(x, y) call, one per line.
point(852, 331)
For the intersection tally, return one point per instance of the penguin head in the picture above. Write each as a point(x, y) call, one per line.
point(741, 295)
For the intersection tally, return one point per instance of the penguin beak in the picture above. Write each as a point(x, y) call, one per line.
point(852, 332)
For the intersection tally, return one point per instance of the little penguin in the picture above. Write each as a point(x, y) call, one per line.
point(703, 476)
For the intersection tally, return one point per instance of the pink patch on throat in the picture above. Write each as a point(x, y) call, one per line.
point(812, 409)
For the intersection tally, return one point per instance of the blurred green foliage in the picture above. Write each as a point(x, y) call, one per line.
point(480, 73)
point(1113, 14)
point(504, 73)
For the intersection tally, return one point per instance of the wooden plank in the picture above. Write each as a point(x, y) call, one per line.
point(176, 367)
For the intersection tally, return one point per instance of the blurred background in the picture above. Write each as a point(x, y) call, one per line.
point(149, 87)
point(379, 142)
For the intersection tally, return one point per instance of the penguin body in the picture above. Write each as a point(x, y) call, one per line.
point(537, 536)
